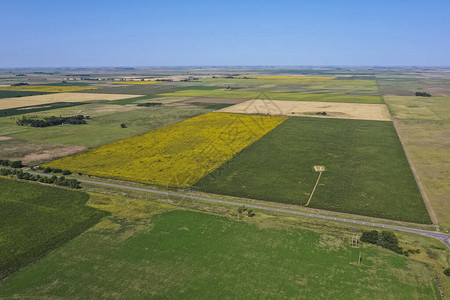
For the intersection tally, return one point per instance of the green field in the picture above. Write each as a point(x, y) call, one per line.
point(277, 96)
point(366, 170)
point(11, 94)
point(191, 255)
point(36, 219)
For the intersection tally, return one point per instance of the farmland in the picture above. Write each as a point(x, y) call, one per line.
point(104, 126)
point(366, 170)
point(278, 96)
point(46, 88)
point(37, 219)
point(304, 108)
point(59, 97)
point(249, 136)
point(191, 255)
point(176, 155)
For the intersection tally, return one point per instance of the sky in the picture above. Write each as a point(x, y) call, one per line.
point(38, 33)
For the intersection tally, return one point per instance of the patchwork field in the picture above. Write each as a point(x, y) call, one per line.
point(103, 127)
point(191, 255)
point(176, 155)
point(304, 108)
point(277, 96)
point(37, 219)
point(59, 97)
point(47, 88)
point(366, 169)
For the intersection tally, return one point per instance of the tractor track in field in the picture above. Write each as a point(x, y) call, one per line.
point(443, 237)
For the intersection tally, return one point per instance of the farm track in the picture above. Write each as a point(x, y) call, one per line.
point(445, 238)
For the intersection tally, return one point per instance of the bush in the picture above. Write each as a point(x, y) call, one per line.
point(57, 171)
point(66, 172)
point(5, 162)
point(447, 272)
point(47, 170)
point(123, 125)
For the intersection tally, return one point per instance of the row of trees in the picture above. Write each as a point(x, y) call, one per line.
point(12, 164)
point(51, 170)
point(51, 121)
point(423, 94)
point(61, 181)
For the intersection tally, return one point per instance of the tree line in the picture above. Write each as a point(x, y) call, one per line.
point(61, 181)
point(51, 121)
point(423, 94)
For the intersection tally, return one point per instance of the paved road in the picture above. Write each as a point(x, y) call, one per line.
point(443, 237)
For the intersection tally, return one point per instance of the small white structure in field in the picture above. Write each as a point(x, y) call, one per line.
point(319, 168)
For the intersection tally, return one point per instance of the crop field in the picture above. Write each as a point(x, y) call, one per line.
point(191, 255)
point(312, 109)
point(103, 127)
point(59, 98)
point(278, 96)
point(47, 88)
point(176, 155)
point(37, 219)
point(366, 169)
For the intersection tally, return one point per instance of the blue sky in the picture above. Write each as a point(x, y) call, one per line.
point(39, 33)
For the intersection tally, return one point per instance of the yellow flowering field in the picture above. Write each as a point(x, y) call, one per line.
point(176, 155)
point(135, 82)
point(47, 88)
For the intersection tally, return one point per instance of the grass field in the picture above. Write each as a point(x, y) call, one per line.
point(176, 155)
point(36, 219)
point(424, 125)
point(104, 126)
point(34, 152)
point(190, 255)
point(366, 170)
point(278, 96)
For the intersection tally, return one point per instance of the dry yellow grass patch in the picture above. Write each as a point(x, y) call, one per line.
point(60, 97)
point(309, 108)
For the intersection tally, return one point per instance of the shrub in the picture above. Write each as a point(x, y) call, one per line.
point(5, 162)
point(66, 172)
point(47, 170)
point(56, 170)
point(447, 272)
